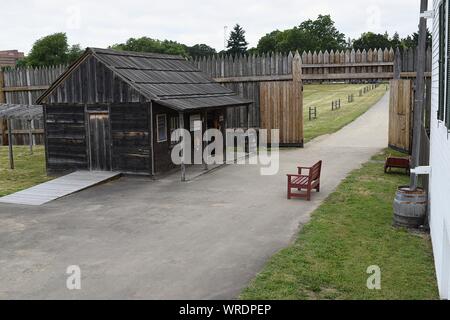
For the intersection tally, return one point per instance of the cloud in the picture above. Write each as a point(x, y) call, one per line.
point(101, 23)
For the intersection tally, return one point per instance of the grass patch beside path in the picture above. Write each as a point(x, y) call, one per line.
point(351, 231)
point(328, 121)
point(30, 169)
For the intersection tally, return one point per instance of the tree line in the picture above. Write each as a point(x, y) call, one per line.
point(311, 35)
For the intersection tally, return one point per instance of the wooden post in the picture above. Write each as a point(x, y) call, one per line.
point(30, 136)
point(3, 122)
point(183, 165)
point(205, 117)
point(10, 146)
point(397, 64)
point(420, 93)
point(152, 140)
point(225, 125)
point(3, 132)
point(2, 85)
point(298, 93)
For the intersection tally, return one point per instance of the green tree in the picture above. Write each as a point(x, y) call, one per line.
point(146, 44)
point(412, 41)
point(323, 34)
point(270, 42)
point(370, 40)
point(237, 44)
point(319, 34)
point(200, 50)
point(51, 50)
point(396, 41)
point(74, 53)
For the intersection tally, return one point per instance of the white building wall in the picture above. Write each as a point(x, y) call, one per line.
point(440, 177)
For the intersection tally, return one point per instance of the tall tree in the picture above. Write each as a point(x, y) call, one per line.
point(200, 50)
point(51, 50)
point(237, 44)
point(146, 44)
point(370, 40)
point(319, 34)
point(323, 34)
point(412, 41)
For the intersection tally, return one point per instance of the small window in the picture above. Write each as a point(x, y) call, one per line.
point(161, 125)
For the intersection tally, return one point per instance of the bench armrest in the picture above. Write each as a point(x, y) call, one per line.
point(300, 169)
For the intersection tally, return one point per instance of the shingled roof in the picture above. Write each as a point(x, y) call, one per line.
point(166, 79)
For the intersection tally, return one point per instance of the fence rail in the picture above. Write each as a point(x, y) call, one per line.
point(349, 65)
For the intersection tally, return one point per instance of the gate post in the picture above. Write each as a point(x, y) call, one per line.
point(298, 92)
point(2, 85)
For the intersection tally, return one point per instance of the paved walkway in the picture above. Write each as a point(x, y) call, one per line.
point(58, 188)
point(141, 239)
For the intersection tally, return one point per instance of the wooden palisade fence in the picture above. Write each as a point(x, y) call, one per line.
point(267, 79)
point(401, 105)
point(24, 86)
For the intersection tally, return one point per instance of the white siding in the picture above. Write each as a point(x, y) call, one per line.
point(440, 177)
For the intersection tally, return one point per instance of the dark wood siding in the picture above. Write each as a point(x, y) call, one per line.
point(93, 83)
point(131, 147)
point(163, 150)
point(66, 138)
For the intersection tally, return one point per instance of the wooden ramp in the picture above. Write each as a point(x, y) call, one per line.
point(59, 188)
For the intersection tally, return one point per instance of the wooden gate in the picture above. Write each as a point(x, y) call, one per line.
point(400, 115)
point(281, 107)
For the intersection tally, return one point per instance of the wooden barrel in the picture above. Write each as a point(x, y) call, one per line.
point(410, 208)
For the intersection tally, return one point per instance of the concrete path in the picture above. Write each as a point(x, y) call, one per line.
point(58, 188)
point(206, 239)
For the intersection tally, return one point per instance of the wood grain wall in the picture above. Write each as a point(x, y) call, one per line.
point(66, 138)
point(400, 114)
point(131, 147)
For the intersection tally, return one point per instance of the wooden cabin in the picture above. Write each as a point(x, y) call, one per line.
point(115, 111)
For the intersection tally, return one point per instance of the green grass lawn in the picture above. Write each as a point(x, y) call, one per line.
point(30, 169)
point(351, 231)
point(328, 121)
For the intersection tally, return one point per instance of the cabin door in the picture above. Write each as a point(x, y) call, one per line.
point(99, 142)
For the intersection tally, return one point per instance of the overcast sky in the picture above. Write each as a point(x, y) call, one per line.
point(102, 23)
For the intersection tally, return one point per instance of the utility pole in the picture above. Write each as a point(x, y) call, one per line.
point(419, 95)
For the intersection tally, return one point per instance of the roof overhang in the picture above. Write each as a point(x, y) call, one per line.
point(21, 112)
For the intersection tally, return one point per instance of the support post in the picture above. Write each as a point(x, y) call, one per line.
point(298, 95)
point(3, 132)
point(2, 85)
point(152, 140)
point(397, 65)
point(225, 127)
point(247, 137)
point(205, 117)
point(420, 94)
point(3, 124)
point(30, 136)
point(10, 146)
point(183, 165)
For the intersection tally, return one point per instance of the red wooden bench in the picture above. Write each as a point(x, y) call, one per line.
point(302, 182)
point(399, 163)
